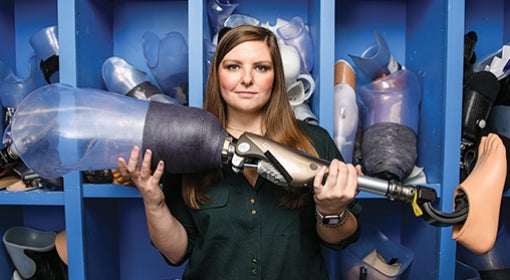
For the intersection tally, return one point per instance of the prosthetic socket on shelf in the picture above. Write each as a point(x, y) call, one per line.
point(390, 113)
point(34, 254)
point(345, 122)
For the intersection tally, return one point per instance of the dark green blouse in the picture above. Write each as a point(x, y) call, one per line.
point(245, 234)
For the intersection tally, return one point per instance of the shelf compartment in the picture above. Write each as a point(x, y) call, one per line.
point(115, 28)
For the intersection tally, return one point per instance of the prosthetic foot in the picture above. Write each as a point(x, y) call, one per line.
point(483, 188)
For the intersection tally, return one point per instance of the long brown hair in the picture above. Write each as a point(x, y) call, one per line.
point(279, 119)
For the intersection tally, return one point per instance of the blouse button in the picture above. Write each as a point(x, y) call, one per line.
point(254, 260)
point(252, 201)
point(254, 272)
point(253, 212)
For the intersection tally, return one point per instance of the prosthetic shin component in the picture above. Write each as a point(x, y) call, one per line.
point(46, 46)
point(483, 189)
point(33, 253)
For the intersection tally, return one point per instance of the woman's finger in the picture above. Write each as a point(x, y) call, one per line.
point(145, 169)
point(159, 171)
point(319, 179)
point(134, 158)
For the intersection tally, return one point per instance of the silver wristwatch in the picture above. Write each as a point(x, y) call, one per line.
point(332, 220)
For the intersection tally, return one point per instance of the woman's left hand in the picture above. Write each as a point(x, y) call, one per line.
point(339, 188)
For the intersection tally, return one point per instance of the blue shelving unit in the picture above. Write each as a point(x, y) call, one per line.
point(107, 235)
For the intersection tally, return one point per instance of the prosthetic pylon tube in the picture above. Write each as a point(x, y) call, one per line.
point(58, 129)
point(484, 189)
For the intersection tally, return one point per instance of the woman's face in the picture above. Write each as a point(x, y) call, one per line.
point(246, 76)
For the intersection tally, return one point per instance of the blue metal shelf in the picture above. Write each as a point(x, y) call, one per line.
point(425, 35)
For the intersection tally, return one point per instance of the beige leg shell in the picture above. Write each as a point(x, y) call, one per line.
point(484, 191)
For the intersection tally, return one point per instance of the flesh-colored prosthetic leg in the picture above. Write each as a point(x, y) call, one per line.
point(484, 190)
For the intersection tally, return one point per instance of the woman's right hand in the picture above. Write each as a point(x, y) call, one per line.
point(161, 223)
point(148, 183)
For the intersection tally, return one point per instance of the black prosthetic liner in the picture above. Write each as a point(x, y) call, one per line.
point(388, 151)
point(49, 66)
point(144, 91)
point(187, 139)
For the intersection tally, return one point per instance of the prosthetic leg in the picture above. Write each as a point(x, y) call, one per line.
point(58, 129)
point(483, 188)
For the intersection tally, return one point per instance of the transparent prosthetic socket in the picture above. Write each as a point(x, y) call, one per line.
point(14, 88)
point(59, 128)
point(390, 120)
point(167, 58)
point(483, 188)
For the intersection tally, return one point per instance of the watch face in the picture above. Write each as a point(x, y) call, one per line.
point(331, 220)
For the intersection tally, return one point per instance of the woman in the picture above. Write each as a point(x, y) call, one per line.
point(238, 225)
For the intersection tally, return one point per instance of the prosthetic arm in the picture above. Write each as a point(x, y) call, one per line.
point(58, 129)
